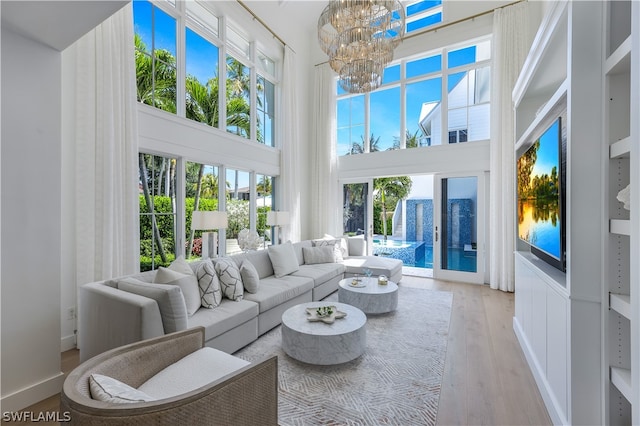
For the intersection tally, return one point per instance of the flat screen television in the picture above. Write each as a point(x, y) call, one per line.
point(541, 177)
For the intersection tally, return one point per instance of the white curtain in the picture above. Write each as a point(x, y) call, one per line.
point(106, 146)
point(290, 161)
point(511, 42)
point(325, 207)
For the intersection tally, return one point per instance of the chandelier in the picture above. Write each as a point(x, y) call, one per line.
point(359, 36)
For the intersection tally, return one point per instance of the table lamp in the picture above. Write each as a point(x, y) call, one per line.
point(207, 221)
point(277, 219)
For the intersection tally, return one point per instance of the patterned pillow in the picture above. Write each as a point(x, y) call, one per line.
point(210, 292)
point(250, 278)
point(105, 388)
point(230, 279)
point(334, 244)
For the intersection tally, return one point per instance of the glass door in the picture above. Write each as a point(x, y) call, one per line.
point(357, 210)
point(458, 234)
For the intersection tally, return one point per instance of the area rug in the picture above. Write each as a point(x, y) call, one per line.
point(396, 382)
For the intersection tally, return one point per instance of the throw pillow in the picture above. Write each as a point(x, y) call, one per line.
point(168, 297)
point(284, 260)
point(335, 246)
point(105, 388)
point(250, 278)
point(313, 255)
point(210, 291)
point(230, 279)
point(187, 283)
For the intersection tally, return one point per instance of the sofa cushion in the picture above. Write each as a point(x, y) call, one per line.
point(275, 291)
point(297, 247)
point(230, 279)
point(250, 278)
point(176, 275)
point(284, 259)
point(261, 261)
point(320, 273)
point(168, 297)
point(334, 244)
point(378, 265)
point(209, 285)
point(198, 369)
point(108, 389)
point(228, 315)
point(315, 255)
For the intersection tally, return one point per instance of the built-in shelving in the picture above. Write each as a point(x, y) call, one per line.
point(621, 379)
point(621, 303)
point(620, 226)
point(620, 149)
point(620, 60)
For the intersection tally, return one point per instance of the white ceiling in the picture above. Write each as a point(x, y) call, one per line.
point(57, 24)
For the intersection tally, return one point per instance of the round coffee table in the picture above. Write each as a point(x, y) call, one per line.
point(320, 343)
point(371, 298)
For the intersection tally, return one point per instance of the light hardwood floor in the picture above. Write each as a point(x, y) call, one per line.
point(486, 379)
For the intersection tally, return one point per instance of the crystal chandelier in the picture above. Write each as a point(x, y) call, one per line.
point(359, 36)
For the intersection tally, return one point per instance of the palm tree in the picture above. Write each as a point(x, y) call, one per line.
point(374, 143)
point(393, 188)
point(411, 140)
point(155, 77)
point(264, 186)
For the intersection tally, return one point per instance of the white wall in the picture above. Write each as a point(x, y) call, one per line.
point(31, 220)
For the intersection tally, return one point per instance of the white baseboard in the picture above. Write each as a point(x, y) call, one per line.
point(25, 397)
point(67, 343)
point(550, 401)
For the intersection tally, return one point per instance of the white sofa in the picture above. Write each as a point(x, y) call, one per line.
point(110, 317)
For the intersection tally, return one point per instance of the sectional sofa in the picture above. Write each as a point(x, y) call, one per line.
point(124, 310)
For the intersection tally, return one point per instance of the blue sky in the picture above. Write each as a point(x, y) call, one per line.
point(548, 153)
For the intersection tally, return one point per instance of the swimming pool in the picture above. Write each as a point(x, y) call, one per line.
point(418, 254)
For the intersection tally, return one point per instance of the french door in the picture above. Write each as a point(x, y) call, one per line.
point(459, 227)
point(357, 210)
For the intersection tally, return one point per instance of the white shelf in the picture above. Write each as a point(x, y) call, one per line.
point(620, 149)
point(620, 61)
point(620, 226)
point(544, 114)
point(621, 378)
point(621, 303)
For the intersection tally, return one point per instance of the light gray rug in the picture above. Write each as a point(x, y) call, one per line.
point(396, 382)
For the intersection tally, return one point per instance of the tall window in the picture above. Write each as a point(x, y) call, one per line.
point(449, 91)
point(155, 50)
point(264, 203)
point(422, 14)
point(201, 194)
point(238, 207)
point(202, 82)
point(157, 185)
point(266, 110)
point(238, 98)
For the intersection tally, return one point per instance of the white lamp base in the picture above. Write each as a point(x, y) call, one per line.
point(209, 245)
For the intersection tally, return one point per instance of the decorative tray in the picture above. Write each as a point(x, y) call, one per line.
point(357, 284)
point(313, 315)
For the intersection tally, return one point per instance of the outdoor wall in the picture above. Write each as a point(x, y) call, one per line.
point(30, 221)
point(460, 230)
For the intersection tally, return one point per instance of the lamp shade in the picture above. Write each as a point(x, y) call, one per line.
point(275, 218)
point(201, 220)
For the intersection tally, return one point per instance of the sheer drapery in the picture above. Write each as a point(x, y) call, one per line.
point(511, 42)
point(290, 160)
point(106, 151)
point(325, 207)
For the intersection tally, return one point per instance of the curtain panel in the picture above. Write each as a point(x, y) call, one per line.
point(106, 151)
point(511, 43)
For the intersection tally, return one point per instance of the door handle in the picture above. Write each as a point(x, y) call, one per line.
point(436, 234)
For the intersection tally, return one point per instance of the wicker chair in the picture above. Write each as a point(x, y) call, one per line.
point(248, 396)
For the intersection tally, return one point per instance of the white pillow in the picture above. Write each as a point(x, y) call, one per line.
point(107, 389)
point(168, 297)
point(250, 278)
point(230, 279)
point(187, 283)
point(334, 244)
point(284, 259)
point(210, 291)
point(313, 255)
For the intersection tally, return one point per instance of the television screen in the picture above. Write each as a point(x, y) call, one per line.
point(540, 206)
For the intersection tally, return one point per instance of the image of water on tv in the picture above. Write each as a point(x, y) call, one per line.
point(538, 193)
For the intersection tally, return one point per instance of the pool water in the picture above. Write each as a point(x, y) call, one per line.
point(420, 255)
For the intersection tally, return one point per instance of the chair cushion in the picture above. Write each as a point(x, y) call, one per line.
point(250, 278)
point(230, 279)
point(198, 369)
point(209, 285)
point(108, 389)
point(168, 297)
point(284, 259)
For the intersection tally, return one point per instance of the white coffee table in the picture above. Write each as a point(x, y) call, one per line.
point(324, 344)
point(371, 298)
